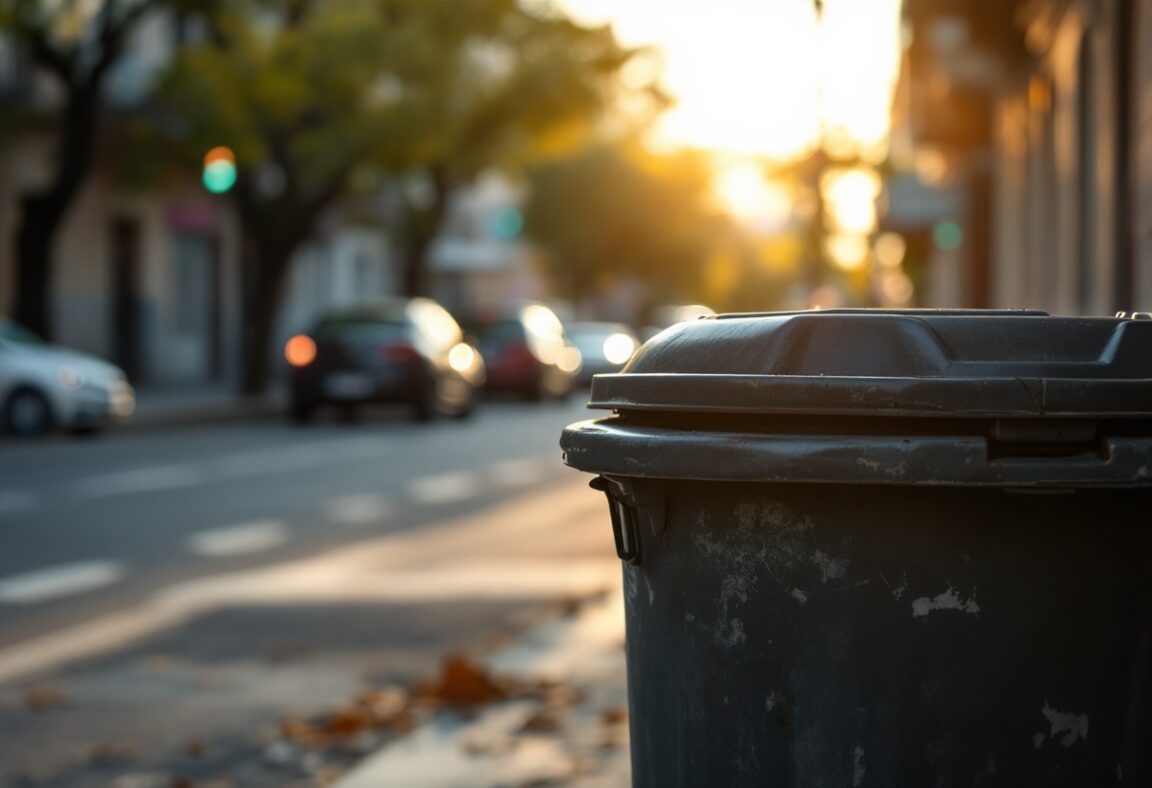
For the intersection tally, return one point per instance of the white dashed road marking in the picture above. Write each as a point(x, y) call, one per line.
point(444, 488)
point(357, 509)
point(517, 473)
point(164, 477)
point(241, 539)
point(286, 459)
point(58, 581)
point(18, 501)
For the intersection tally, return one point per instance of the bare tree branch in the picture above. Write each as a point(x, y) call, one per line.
point(114, 31)
point(48, 56)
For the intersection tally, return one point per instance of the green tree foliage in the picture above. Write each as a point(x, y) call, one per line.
point(77, 43)
point(310, 94)
point(533, 85)
point(613, 211)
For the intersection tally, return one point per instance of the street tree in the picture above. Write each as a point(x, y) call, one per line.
point(78, 44)
point(618, 210)
point(535, 88)
point(294, 88)
point(311, 95)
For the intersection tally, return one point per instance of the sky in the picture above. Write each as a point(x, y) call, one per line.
point(761, 78)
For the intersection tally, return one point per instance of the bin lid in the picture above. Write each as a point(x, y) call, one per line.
point(922, 363)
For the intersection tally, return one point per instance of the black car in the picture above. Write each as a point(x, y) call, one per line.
point(407, 351)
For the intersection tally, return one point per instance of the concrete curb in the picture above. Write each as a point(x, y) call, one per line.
point(154, 414)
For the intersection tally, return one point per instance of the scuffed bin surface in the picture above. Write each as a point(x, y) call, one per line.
point(892, 549)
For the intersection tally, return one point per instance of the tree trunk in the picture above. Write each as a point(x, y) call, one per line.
point(43, 213)
point(32, 303)
point(420, 230)
point(262, 301)
point(415, 280)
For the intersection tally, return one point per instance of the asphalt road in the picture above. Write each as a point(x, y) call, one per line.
point(90, 525)
point(202, 584)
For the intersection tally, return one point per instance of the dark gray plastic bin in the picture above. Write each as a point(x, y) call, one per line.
point(884, 549)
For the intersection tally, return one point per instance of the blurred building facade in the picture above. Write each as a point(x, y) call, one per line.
point(481, 262)
point(1041, 111)
point(151, 278)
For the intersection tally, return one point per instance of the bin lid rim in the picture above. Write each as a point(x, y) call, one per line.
point(872, 396)
point(613, 447)
point(885, 362)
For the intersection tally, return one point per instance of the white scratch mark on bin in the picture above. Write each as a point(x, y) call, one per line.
point(735, 635)
point(631, 583)
point(799, 596)
point(1074, 726)
point(949, 600)
point(897, 591)
point(771, 701)
point(872, 465)
point(858, 769)
point(896, 471)
point(830, 568)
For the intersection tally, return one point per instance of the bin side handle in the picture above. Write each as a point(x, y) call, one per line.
point(624, 531)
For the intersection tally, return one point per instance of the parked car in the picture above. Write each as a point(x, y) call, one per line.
point(604, 347)
point(526, 352)
point(406, 351)
point(43, 386)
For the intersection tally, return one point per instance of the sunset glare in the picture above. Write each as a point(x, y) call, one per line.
point(764, 78)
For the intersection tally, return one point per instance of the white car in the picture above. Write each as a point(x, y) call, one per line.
point(44, 386)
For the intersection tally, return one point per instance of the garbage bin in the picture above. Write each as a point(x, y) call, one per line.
point(884, 548)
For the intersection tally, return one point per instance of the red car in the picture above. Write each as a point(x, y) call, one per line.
point(525, 352)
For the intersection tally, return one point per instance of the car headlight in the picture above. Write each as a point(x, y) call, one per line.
point(70, 378)
point(570, 360)
point(618, 348)
point(462, 357)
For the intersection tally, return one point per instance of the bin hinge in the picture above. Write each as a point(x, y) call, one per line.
point(624, 519)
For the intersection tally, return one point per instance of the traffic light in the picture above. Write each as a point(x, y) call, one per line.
point(219, 170)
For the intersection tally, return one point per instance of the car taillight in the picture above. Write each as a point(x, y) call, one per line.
point(300, 350)
point(400, 353)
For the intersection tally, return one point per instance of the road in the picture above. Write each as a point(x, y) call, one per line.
point(373, 547)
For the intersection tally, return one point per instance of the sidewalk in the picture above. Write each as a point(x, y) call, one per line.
point(481, 650)
point(569, 728)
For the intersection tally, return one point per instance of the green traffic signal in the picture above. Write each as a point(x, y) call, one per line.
point(219, 170)
point(219, 176)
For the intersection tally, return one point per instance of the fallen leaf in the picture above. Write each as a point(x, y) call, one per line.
point(562, 696)
point(348, 722)
point(570, 607)
point(302, 732)
point(463, 683)
point(44, 697)
point(614, 716)
point(543, 721)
